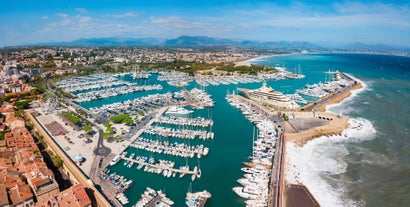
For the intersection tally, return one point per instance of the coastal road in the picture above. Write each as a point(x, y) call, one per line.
point(100, 150)
point(276, 174)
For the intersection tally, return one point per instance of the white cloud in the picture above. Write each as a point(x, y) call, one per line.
point(62, 15)
point(264, 21)
point(124, 15)
point(81, 10)
point(44, 17)
point(85, 19)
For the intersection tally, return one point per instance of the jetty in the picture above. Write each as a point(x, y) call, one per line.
point(200, 122)
point(180, 133)
point(152, 198)
point(175, 149)
point(162, 167)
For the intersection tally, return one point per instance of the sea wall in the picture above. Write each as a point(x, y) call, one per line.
point(338, 98)
point(336, 126)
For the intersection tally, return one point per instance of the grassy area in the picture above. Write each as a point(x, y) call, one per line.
point(73, 118)
point(122, 118)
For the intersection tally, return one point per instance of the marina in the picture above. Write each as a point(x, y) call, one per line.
point(100, 94)
point(202, 122)
point(174, 140)
point(180, 133)
point(258, 171)
point(162, 166)
point(174, 149)
point(91, 82)
point(153, 198)
point(197, 199)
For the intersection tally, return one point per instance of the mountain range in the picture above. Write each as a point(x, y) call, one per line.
point(182, 41)
point(204, 41)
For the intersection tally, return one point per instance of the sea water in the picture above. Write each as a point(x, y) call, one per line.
point(368, 165)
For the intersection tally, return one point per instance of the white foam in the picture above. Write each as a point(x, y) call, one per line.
point(260, 58)
point(335, 108)
point(318, 160)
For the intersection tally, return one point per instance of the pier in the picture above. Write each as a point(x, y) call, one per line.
point(184, 133)
point(142, 130)
point(320, 104)
point(201, 122)
point(162, 167)
point(176, 149)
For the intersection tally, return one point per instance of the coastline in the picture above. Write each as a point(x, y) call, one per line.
point(300, 139)
point(249, 62)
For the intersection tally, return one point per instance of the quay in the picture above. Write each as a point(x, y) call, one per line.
point(143, 129)
point(192, 172)
point(184, 133)
point(320, 104)
point(201, 122)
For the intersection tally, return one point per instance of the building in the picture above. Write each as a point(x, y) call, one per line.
point(13, 190)
point(72, 197)
point(16, 122)
point(29, 162)
point(4, 200)
point(267, 96)
point(21, 196)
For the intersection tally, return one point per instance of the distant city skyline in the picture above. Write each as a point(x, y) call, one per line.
point(327, 22)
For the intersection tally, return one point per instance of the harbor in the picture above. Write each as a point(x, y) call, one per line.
point(183, 128)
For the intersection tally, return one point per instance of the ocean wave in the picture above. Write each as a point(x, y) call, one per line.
point(318, 162)
point(341, 107)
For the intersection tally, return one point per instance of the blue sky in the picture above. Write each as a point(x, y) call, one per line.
point(321, 21)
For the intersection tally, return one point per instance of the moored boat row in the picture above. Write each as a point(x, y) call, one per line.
point(182, 121)
point(174, 149)
point(255, 183)
point(151, 197)
point(179, 133)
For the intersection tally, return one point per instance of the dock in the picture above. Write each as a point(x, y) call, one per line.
point(143, 129)
point(192, 172)
point(176, 149)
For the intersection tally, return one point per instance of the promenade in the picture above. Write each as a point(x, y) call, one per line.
point(75, 174)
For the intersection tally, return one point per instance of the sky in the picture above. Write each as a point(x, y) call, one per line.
point(321, 21)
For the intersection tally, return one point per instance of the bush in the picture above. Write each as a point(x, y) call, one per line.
point(87, 128)
point(71, 117)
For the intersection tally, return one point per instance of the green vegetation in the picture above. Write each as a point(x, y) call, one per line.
point(22, 104)
point(285, 117)
point(73, 118)
point(2, 134)
point(62, 93)
point(108, 134)
point(19, 113)
point(58, 162)
point(28, 95)
point(81, 112)
point(118, 138)
point(87, 128)
point(40, 89)
point(244, 69)
point(122, 118)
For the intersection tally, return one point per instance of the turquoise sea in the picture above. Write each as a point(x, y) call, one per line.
point(370, 168)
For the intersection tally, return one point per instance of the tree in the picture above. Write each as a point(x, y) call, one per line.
point(87, 128)
point(128, 121)
point(119, 118)
point(58, 162)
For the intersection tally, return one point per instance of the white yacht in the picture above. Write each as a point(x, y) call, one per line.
point(115, 160)
point(177, 110)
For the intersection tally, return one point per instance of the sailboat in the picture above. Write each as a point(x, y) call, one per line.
point(198, 175)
